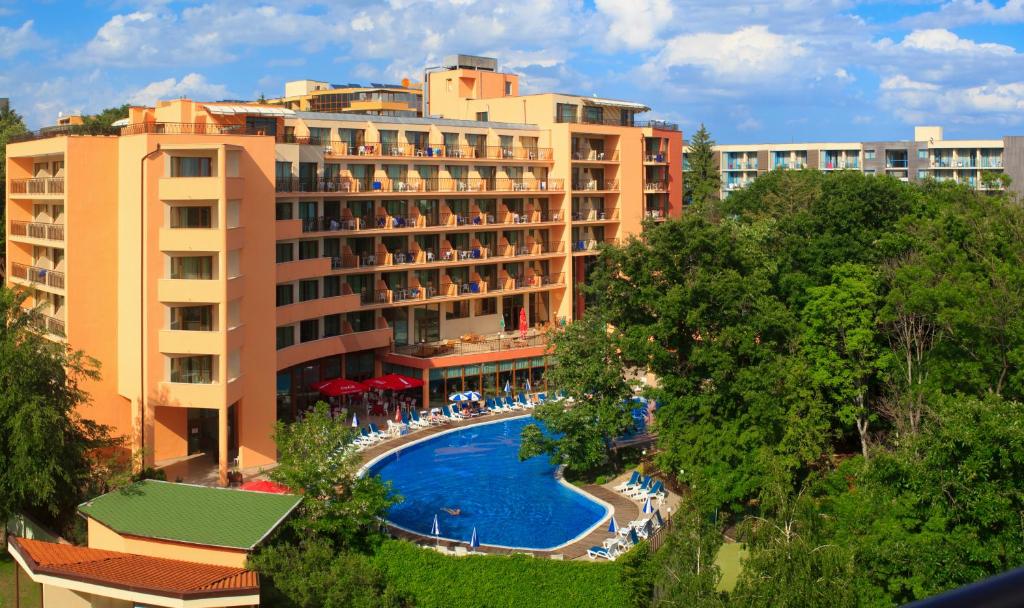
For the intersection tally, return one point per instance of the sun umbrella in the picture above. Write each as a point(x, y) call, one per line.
point(474, 542)
point(398, 414)
point(435, 529)
point(648, 507)
point(267, 486)
point(508, 387)
point(466, 396)
point(336, 387)
point(613, 526)
point(355, 421)
point(523, 325)
point(528, 389)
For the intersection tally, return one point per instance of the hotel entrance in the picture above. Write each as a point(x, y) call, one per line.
point(203, 429)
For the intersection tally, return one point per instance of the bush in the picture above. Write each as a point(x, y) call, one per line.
point(476, 581)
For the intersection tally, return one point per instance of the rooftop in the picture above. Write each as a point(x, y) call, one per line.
point(199, 515)
point(138, 573)
point(410, 120)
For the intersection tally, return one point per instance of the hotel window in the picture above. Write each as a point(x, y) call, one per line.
point(192, 318)
point(508, 88)
point(191, 217)
point(285, 294)
point(283, 170)
point(481, 116)
point(192, 267)
point(309, 250)
point(332, 325)
point(309, 330)
point(487, 306)
point(332, 286)
point(319, 136)
point(309, 289)
point(565, 112)
point(922, 154)
point(285, 252)
point(869, 155)
point(197, 369)
point(191, 166)
point(283, 211)
point(457, 310)
point(593, 114)
point(922, 174)
point(285, 336)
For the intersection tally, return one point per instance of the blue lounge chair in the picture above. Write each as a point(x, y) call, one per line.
point(367, 437)
point(376, 431)
point(656, 491)
point(492, 405)
point(598, 551)
point(657, 518)
point(639, 490)
point(633, 479)
point(542, 397)
point(523, 400)
point(510, 403)
point(452, 413)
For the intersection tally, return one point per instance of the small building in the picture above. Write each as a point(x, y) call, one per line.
point(158, 544)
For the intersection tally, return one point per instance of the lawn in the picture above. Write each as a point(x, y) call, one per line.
point(729, 561)
point(29, 591)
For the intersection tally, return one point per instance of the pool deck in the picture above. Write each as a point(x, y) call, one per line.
point(624, 508)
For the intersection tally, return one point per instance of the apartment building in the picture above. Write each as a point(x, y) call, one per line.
point(378, 99)
point(927, 156)
point(219, 259)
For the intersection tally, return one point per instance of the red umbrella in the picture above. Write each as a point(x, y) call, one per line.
point(339, 386)
point(522, 323)
point(394, 382)
point(267, 486)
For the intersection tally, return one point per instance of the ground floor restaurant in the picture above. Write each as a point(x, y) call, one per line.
point(297, 387)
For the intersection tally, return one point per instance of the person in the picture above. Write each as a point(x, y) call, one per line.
point(452, 511)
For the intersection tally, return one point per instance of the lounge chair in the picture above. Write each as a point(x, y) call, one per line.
point(511, 404)
point(640, 490)
point(633, 479)
point(656, 491)
point(492, 405)
point(376, 431)
point(658, 520)
point(596, 552)
point(542, 398)
point(451, 413)
point(395, 428)
point(367, 438)
point(523, 400)
point(415, 421)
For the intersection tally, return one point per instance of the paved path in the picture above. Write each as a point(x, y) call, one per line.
point(624, 509)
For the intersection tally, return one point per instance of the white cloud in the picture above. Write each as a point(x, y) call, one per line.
point(635, 24)
point(16, 41)
point(843, 75)
point(1002, 102)
point(966, 12)
point(191, 85)
point(943, 41)
point(750, 54)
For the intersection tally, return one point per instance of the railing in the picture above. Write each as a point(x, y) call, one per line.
point(417, 185)
point(896, 163)
point(601, 155)
point(655, 214)
point(991, 163)
point(38, 230)
point(596, 184)
point(584, 245)
point(583, 119)
point(741, 166)
point(656, 124)
point(199, 376)
point(655, 158)
point(656, 185)
point(38, 185)
point(50, 325)
point(446, 348)
point(169, 128)
point(34, 274)
point(594, 215)
point(377, 149)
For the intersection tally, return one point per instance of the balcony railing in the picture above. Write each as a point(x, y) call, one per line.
point(48, 324)
point(452, 290)
point(469, 346)
point(456, 255)
point(655, 214)
point(377, 149)
point(34, 274)
point(38, 230)
point(587, 154)
point(584, 245)
point(657, 185)
point(656, 124)
point(896, 163)
point(595, 215)
point(583, 119)
point(38, 185)
point(596, 184)
point(346, 185)
point(658, 157)
point(170, 128)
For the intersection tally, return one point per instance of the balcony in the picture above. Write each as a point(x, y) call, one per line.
point(595, 215)
point(412, 185)
point(443, 221)
point(741, 166)
point(38, 276)
point(583, 119)
point(656, 185)
point(589, 155)
point(463, 256)
point(192, 188)
point(38, 186)
point(656, 158)
point(596, 185)
point(896, 163)
point(38, 230)
point(656, 214)
point(49, 325)
point(591, 246)
point(656, 124)
point(455, 291)
point(423, 151)
point(473, 345)
point(348, 342)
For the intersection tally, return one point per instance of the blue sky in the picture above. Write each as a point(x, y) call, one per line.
point(778, 70)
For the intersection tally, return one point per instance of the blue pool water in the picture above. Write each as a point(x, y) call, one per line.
point(477, 469)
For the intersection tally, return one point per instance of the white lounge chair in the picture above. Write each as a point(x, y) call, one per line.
point(625, 485)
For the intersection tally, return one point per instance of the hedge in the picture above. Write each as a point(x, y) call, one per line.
point(484, 581)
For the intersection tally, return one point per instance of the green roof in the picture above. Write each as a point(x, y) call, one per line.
point(191, 514)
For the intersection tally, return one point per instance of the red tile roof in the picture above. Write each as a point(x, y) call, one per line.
point(159, 576)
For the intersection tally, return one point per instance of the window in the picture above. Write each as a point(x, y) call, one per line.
point(922, 154)
point(192, 267)
point(332, 325)
point(197, 369)
point(283, 170)
point(285, 336)
point(593, 114)
point(309, 289)
point(309, 250)
point(332, 286)
point(508, 88)
point(457, 310)
point(869, 155)
point(285, 294)
point(191, 166)
point(309, 330)
point(487, 306)
point(565, 112)
point(922, 174)
point(283, 211)
point(192, 318)
point(319, 136)
point(481, 116)
point(285, 252)
point(190, 217)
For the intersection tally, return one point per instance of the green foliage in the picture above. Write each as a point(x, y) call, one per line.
point(104, 119)
point(430, 579)
point(46, 446)
point(11, 123)
point(685, 573)
point(702, 181)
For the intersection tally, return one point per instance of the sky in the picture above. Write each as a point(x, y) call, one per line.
point(759, 71)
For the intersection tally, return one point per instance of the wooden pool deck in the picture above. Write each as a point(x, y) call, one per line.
point(623, 508)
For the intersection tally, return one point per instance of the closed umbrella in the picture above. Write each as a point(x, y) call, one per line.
point(522, 323)
point(355, 421)
point(648, 507)
point(436, 530)
point(613, 526)
point(474, 542)
point(508, 387)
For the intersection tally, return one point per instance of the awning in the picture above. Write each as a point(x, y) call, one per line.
point(615, 103)
point(232, 110)
point(394, 382)
point(265, 485)
point(339, 386)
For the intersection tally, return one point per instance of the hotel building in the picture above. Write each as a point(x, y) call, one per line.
point(377, 99)
point(927, 156)
point(220, 258)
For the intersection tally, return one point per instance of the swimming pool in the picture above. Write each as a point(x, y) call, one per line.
point(477, 470)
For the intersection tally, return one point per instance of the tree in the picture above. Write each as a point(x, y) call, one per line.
point(841, 342)
point(320, 556)
point(47, 448)
point(702, 181)
point(685, 573)
point(11, 124)
point(102, 121)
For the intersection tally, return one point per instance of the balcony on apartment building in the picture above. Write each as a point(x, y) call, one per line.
point(595, 185)
point(37, 230)
point(656, 214)
point(474, 345)
point(37, 275)
point(412, 185)
point(595, 155)
point(655, 158)
point(48, 324)
point(446, 256)
point(835, 161)
point(469, 289)
point(417, 221)
point(655, 185)
point(591, 245)
point(423, 151)
point(595, 215)
point(37, 186)
point(740, 165)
